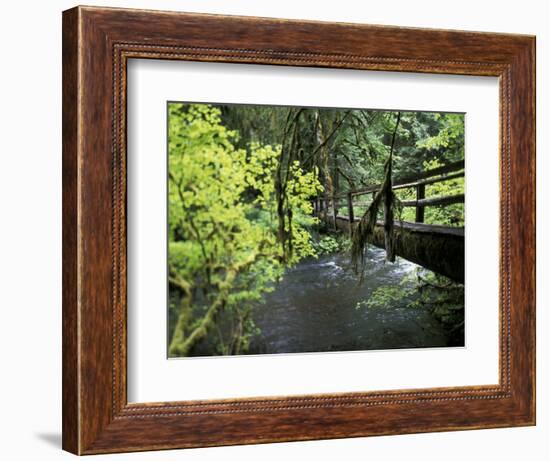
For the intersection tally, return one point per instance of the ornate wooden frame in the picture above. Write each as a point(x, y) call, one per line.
point(97, 43)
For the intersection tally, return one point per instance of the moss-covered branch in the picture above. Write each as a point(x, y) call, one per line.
point(365, 228)
point(182, 344)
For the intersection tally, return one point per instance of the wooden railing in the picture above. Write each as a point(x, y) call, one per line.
point(331, 205)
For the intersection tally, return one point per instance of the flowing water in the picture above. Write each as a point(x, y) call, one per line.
point(313, 309)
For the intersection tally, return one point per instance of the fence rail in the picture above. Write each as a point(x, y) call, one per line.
point(418, 181)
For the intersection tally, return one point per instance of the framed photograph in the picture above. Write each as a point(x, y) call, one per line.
point(284, 230)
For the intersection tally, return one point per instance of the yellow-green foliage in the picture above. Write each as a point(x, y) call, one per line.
point(451, 129)
point(259, 173)
point(223, 252)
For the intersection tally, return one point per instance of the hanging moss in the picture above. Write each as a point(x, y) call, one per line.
point(364, 230)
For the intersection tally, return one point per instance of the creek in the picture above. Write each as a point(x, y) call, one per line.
point(313, 309)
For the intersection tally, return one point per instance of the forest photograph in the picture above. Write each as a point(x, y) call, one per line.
point(305, 229)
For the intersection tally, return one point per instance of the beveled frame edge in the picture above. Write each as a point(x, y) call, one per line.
point(97, 42)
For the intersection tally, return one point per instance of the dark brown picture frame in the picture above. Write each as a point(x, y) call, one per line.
point(97, 44)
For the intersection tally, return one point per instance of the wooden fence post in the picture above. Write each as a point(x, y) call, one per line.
point(420, 194)
point(326, 207)
point(350, 212)
point(334, 211)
